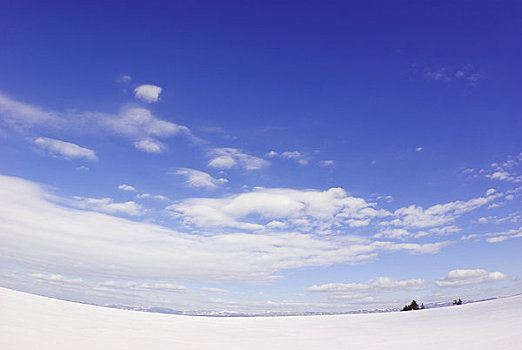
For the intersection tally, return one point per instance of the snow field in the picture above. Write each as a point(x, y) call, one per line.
point(33, 322)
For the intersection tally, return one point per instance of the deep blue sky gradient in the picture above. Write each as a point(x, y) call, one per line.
point(337, 80)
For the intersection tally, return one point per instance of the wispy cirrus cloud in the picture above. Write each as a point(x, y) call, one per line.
point(135, 123)
point(140, 122)
point(65, 150)
point(505, 171)
point(415, 216)
point(375, 285)
point(23, 115)
point(141, 125)
point(467, 73)
point(467, 277)
point(326, 163)
point(124, 79)
point(107, 205)
point(213, 290)
point(508, 170)
point(497, 237)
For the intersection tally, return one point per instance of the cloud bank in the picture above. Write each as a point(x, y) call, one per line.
point(41, 234)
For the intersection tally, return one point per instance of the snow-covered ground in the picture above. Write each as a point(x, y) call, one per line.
point(32, 322)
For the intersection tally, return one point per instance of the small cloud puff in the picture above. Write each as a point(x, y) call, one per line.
point(196, 178)
point(226, 158)
point(150, 146)
point(125, 187)
point(124, 79)
point(147, 93)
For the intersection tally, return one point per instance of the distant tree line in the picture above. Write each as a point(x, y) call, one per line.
point(414, 306)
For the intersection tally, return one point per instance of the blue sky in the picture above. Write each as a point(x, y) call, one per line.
point(261, 156)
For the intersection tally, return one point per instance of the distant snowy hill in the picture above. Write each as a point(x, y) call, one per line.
point(32, 322)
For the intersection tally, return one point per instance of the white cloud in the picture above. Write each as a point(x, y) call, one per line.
point(22, 115)
point(295, 155)
point(163, 286)
point(446, 230)
point(463, 277)
point(140, 123)
point(226, 158)
point(471, 236)
point(82, 168)
point(467, 74)
point(196, 178)
point(125, 78)
point(148, 195)
point(37, 232)
point(299, 157)
point(418, 149)
point(416, 217)
point(326, 163)
point(107, 205)
point(385, 198)
point(291, 155)
point(64, 149)
point(147, 93)
point(393, 233)
point(303, 210)
point(376, 285)
point(490, 191)
point(502, 236)
point(505, 171)
point(275, 224)
point(150, 146)
point(213, 290)
point(504, 176)
point(125, 187)
point(496, 237)
point(56, 278)
point(439, 74)
point(414, 248)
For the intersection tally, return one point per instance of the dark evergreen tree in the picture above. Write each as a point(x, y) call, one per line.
point(422, 306)
point(412, 306)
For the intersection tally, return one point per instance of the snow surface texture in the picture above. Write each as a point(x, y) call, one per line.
point(32, 322)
